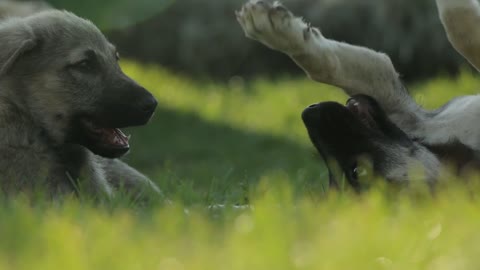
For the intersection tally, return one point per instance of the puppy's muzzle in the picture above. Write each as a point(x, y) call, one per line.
point(123, 104)
point(140, 110)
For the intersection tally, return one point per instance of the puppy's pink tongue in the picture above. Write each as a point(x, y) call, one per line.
point(115, 136)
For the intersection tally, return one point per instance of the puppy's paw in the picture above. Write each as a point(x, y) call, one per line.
point(275, 26)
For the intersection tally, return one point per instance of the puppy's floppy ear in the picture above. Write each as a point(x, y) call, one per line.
point(12, 56)
point(16, 38)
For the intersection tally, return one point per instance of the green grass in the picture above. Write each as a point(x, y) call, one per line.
point(242, 142)
point(208, 143)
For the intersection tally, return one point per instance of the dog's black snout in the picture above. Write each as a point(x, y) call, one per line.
point(313, 114)
point(149, 105)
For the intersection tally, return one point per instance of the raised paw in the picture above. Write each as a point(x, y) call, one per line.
point(274, 25)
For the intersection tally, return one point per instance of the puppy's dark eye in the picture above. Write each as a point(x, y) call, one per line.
point(354, 172)
point(83, 65)
point(358, 171)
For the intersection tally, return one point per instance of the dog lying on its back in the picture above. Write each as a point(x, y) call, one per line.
point(63, 98)
point(380, 121)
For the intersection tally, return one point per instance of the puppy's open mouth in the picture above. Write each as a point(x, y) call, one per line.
point(108, 136)
point(107, 142)
point(362, 112)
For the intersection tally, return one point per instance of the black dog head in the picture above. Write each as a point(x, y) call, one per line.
point(345, 134)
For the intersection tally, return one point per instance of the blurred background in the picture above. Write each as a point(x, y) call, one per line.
point(201, 38)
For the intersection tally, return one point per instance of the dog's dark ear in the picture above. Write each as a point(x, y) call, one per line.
point(16, 39)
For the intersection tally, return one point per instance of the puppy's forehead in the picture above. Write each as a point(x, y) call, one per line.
point(66, 29)
point(82, 51)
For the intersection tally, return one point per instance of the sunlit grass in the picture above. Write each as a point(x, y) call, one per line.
point(244, 142)
point(260, 106)
point(375, 231)
point(435, 93)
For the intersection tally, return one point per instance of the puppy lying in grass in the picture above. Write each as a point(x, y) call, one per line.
point(380, 122)
point(63, 100)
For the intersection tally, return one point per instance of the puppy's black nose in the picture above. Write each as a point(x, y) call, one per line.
point(149, 104)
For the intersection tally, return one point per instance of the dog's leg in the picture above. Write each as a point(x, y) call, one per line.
point(355, 69)
point(120, 175)
point(461, 19)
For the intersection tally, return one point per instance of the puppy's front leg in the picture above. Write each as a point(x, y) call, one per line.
point(355, 69)
point(461, 19)
point(121, 175)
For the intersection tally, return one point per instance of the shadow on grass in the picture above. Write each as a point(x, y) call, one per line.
point(204, 162)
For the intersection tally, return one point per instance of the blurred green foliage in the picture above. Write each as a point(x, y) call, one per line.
point(202, 37)
point(112, 14)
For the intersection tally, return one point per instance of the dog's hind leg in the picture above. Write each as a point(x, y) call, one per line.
point(355, 69)
point(461, 19)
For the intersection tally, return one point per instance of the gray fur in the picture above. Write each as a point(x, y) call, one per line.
point(38, 100)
